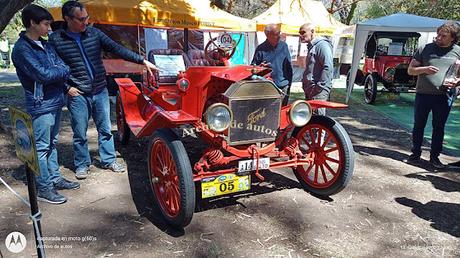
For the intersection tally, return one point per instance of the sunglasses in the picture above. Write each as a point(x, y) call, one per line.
point(302, 32)
point(82, 19)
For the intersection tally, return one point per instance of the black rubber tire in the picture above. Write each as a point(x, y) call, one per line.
point(370, 89)
point(346, 151)
point(123, 131)
point(186, 186)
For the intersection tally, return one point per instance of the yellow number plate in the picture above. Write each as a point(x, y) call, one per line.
point(224, 184)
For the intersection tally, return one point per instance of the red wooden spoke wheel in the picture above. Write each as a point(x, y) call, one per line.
point(171, 178)
point(327, 143)
point(123, 131)
point(167, 187)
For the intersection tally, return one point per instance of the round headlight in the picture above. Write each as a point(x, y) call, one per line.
point(183, 84)
point(300, 113)
point(218, 117)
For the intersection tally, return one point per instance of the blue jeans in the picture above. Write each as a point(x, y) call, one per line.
point(81, 108)
point(46, 133)
point(440, 106)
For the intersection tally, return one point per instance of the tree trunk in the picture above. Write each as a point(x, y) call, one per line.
point(351, 13)
point(9, 8)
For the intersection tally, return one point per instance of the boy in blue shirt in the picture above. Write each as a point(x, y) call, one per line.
point(42, 74)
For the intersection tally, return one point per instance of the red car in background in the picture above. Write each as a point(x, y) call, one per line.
point(387, 57)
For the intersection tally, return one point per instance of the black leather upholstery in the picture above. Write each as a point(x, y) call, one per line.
point(197, 58)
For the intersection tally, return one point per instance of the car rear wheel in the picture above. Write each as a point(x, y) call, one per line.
point(370, 89)
point(327, 143)
point(171, 178)
point(123, 131)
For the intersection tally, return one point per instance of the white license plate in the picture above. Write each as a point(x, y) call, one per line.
point(250, 165)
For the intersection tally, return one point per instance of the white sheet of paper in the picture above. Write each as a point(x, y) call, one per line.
point(395, 49)
point(170, 65)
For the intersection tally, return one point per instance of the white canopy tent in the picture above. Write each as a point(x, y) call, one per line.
point(396, 22)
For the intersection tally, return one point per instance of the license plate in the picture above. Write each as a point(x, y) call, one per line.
point(250, 165)
point(224, 184)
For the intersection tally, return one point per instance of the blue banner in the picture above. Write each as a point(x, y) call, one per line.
point(238, 57)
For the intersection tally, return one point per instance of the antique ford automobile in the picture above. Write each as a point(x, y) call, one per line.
point(387, 57)
point(237, 113)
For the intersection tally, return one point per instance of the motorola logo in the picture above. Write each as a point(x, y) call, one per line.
point(15, 242)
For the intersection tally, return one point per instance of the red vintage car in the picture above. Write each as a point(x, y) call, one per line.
point(237, 113)
point(387, 57)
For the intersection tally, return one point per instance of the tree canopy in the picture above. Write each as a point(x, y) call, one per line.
point(442, 9)
point(9, 9)
point(10, 15)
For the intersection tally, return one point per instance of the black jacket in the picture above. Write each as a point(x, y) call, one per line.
point(42, 74)
point(93, 42)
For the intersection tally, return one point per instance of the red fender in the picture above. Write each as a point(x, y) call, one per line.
point(315, 104)
point(142, 115)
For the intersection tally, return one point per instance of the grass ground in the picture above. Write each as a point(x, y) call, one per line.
point(401, 110)
point(10, 94)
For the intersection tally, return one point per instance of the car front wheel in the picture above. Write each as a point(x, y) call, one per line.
point(171, 178)
point(328, 145)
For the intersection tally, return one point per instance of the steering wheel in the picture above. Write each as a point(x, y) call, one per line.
point(220, 53)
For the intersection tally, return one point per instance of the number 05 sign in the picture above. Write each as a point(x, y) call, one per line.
point(224, 184)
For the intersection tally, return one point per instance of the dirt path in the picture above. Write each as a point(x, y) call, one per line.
point(390, 209)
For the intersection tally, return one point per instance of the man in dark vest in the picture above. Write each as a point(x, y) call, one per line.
point(81, 48)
